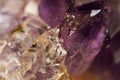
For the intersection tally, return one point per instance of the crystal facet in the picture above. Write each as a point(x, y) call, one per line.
point(53, 12)
point(50, 40)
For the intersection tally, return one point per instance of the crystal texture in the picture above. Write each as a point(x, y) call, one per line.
point(51, 40)
point(52, 12)
point(83, 35)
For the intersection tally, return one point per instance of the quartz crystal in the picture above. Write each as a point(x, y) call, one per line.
point(52, 12)
point(28, 49)
point(50, 40)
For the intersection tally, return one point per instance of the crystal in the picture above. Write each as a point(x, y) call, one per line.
point(92, 5)
point(52, 12)
point(13, 7)
point(7, 23)
point(84, 43)
point(50, 40)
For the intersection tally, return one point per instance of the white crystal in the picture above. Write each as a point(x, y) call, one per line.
point(7, 23)
point(31, 8)
point(94, 12)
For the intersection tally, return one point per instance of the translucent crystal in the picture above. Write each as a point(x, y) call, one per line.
point(7, 23)
point(62, 39)
point(24, 56)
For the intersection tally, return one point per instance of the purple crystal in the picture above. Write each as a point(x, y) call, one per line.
point(52, 12)
point(84, 43)
point(92, 5)
point(105, 61)
point(84, 38)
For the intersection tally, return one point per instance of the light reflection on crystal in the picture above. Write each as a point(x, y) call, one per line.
point(31, 49)
point(25, 50)
point(7, 23)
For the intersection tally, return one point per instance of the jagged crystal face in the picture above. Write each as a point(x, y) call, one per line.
point(29, 53)
point(28, 49)
point(83, 32)
point(55, 40)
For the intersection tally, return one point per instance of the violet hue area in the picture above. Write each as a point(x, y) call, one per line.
point(84, 44)
point(86, 40)
point(85, 37)
point(52, 12)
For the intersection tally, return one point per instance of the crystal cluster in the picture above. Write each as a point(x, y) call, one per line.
point(83, 29)
point(29, 50)
point(50, 40)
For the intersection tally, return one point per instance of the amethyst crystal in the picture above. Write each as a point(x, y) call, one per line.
point(84, 44)
point(84, 38)
point(82, 29)
point(52, 12)
point(92, 5)
point(66, 38)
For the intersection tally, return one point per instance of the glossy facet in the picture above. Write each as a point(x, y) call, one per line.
point(84, 44)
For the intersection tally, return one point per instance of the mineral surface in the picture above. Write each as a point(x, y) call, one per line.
point(50, 40)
